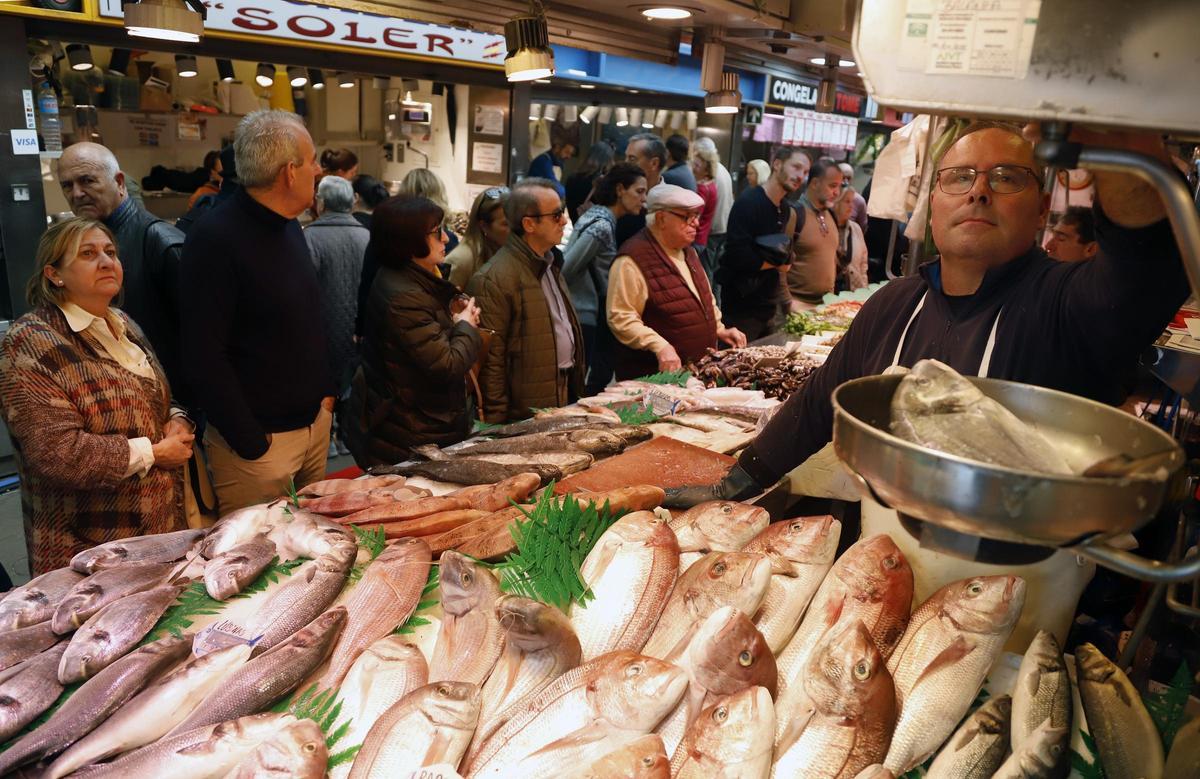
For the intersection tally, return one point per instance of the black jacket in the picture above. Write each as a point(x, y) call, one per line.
point(411, 388)
point(1077, 327)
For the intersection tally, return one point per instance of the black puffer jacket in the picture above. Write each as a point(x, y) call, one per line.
point(411, 387)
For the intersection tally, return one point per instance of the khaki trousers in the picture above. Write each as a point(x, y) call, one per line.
point(294, 455)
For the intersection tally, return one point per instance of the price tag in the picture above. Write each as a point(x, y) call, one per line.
point(439, 771)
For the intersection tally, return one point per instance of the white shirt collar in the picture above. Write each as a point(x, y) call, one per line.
point(80, 320)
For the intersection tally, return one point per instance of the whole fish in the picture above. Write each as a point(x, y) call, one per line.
point(1042, 690)
point(853, 710)
point(113, 631)
point(36, 600)
point(238, 527)
point(104, 587)
point(473, 470)
point(642, 758)
point(228, 573)
point(384, 599)
point(539, 646)
point(306, 594)
point(208, 752)
point(630, 572)
point(801, 551)
point(502, 494)
point(157, 548)
point(470, 638)
point(935, 407)
point(1125, 735)
point(581, 716)
point(716, 526)
point(977, 748)
point(877, 771)
point(1040, 756)
point(727, 655)
point(871, 582)
point(95, 700)
point(432, 725)
point(598, 443)
point(345, 503)
point(17, 646)
point(297, 751)
point(951, 643)
point(320, 489)
point(150, 714)
point(267, 678)
point(549, 425)
point(1184, 760)
point(388, 670)
point(300, 533)
point(717, 579)
point(588, 410)
point(30, 691)
point(731, 739)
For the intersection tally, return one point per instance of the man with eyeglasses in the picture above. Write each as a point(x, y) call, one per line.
point(993, 304)
point(814, 252)
point(535, 359)
point(660, 305)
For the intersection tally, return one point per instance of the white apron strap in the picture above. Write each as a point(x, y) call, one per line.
point(904, 332)
point(986, 363)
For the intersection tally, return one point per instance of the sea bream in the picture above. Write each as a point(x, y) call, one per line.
point(17, 646)
point(36, 600)
point(104, 587)
point(297, 751)
point(977, 748)
point(737, 579)
point(228, 573)
point(1126, 737)
point(240, 526)
point(1041, 755)
point(630, 572)
point(731, 739)
point(1042, 691)
point(642, 758)
point(30, 691)
point(113, 631)
point(951, 643)
point(155, 548)
point(432, 725)
point(801, 552)
point(716, 526)
point(470, 638)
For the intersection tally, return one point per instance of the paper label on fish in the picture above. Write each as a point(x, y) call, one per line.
point(439, 771)
point(220, 635)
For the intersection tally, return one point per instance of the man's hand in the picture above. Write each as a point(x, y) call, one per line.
point(737, 485)
point(732, 336)
point(668, 359)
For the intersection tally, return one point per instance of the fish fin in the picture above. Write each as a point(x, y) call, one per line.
point(795, 728)
point(592, 572)
point(783, 566)
point(588, 734)
point(1032, 682)
point(958, 649)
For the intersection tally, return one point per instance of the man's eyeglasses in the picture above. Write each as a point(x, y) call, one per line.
point(555, 214)
point(494, 193)
point(1002, 179)
point(687, 217)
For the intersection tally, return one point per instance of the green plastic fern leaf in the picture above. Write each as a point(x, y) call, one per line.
point(414, 621)
point(677, 378)
point(1087, 767)
point(1167, 707)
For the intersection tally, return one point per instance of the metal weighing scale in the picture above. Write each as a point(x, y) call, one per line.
point(1099, 62)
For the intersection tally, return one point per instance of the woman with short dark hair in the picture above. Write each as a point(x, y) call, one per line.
point(589, 256)
point(342, 163)
point(411, 387)
point(369, 192)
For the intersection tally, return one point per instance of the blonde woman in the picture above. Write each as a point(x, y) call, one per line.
point(487, 231)
point(100, 450)
point(757, 173)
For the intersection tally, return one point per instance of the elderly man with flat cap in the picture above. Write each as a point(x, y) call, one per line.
point(660, 304)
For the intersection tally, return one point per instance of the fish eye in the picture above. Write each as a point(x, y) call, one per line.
point(635, 670)
point(890, 562)
point(310, 747)
point(720, 568)
point(975, 587)
point(443, 690)
point(726, 508)
point(466, 577)
point(720, 714)
point(796, 526)
point(745, 659)
point(648, 761)
point(861, 670)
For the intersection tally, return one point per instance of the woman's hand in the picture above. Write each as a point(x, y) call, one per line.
point(173, 451)
point(469, 314)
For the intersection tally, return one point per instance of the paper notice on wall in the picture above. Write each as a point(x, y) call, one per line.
point(487, 157)
point(981, 37)
point(789, 128)
point(148, 130)
point(489, 120)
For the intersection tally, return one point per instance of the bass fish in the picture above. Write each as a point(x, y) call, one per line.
point(977, 748)
point(1125, 735)
point(1042, 692)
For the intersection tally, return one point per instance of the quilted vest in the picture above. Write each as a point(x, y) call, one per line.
point(671, 309)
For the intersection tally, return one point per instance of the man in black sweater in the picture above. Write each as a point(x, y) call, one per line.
point(993, 303)
point(251, 309)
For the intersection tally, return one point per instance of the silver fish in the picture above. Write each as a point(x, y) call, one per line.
point(104, 587)
point(1041, 754)
point(19, 645)
point(95, 700)
point(202, 753)
point(599, 443)
point(150, 714)
point(539, 646)
point(1042, 691)
point(951, 643)
point(731, 739)
point(1126, 737)
point(306, 594)
point(716, 526)
point(300, 533)
point(29, 692)
point(157, 548)
point(297, 751)
point(114, 630)
point(268, 677)
point(36, 600)
point(229, 572)
point(238, 527)
point(978, 747)
point(432, 725)
point(470, 638)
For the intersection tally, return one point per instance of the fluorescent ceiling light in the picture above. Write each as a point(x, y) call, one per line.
point(587, 86)
point(845, 63)
point(541, 81)
point(167, 20)
point(666, 12)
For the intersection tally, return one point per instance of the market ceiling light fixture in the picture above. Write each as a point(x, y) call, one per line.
point(80, 56)
point(827, 92)
point(225, 70)
point(119, 63)
point(571, 114)
point(720, 87)
point(635, 116)
point(622, 116)
point(693, 119)
point(727, 99)
point(296, 76)
point(662, 117)
point(605, 116)
point(588, 114)
point(345, 80)
point(535, 112)
point(265, 75)
point(527, 38)
point(551, 112)
point(185, 65)
point(168, 20)
point(676, 120)
point(316, 78)
point(669, 12)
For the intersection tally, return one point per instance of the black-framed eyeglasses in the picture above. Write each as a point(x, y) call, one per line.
point(437, 231)
point(555, 214)
point(494, 193)
point(688, 217)
point(1002, 179)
